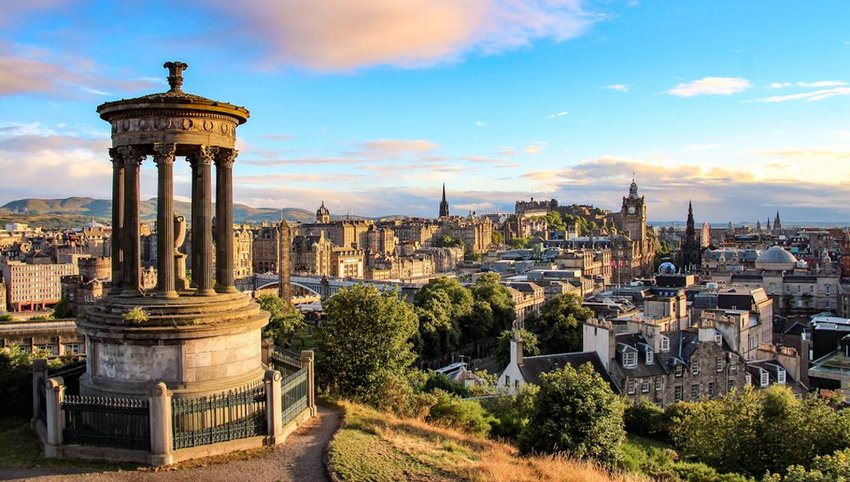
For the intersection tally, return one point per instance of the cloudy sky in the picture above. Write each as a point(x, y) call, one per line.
point(742, 107)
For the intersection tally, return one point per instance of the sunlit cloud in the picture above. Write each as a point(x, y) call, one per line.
point(350, 34)
point(779, 85)
point(557, 114)
point(535, 148)
point(710, 86)
point(617, 87)
point(822, 83)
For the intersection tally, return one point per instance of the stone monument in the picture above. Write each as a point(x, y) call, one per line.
point(201, 339)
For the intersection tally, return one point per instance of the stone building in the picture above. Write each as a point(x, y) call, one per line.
point(476, 233)
point(444, 204)
point(634, 247)
point(243, 249)
point(34, 286)
point(347, 263)
point(528, 298)
point(311, 255)
point(55, 337)
point(666, 366)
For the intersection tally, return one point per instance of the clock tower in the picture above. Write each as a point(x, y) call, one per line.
point(634, 214)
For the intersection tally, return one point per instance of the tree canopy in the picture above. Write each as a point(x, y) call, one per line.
point(364, 343)
point(576, 413)
point(493, 305)
point(558, 326)
point(285, 319)
point(503, 348)
point(758, 431)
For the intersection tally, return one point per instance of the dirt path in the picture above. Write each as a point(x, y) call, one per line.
point(301, 458)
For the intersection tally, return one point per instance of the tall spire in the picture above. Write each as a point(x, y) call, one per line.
point(444, 204)
point(776, 223)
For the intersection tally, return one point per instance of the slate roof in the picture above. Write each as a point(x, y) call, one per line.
point(771, 366)
point(533, 366)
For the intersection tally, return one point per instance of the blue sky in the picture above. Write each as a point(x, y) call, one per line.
point(743, 107)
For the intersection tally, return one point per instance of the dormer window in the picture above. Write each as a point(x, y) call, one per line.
point(650, 356)
point(629, 359)
point(765, 379)
point(665, 344)
point(780, 376)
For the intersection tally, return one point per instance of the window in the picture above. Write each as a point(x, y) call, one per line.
point(665, 344)
point(828, 288)
point(678, 393)
point(507, 380)
point(659, 384)
point(645, 386)
point(650, 356)
point(780, 376)
point(516, 384)
point(695, 391)
point(718, 339)
point(629, 359)
point(765, 379)
point(811, 289)
point(711, 389)
point(631, 387)
point(718, 364)
point(730, 384)
point(695, 368)
point(679, 370)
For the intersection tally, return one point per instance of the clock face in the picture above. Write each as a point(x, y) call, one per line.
point(631, 209)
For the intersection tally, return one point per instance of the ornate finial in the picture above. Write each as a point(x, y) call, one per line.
point(175, 74)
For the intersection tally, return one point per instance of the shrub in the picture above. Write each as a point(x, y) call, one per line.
point(512, 412)
point(438, 381)
point(644, 418)
point(136, 315)
point(467, 415)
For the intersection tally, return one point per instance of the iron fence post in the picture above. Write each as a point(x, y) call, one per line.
point(159, 404)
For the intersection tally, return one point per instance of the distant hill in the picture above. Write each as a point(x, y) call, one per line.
point(85, 208)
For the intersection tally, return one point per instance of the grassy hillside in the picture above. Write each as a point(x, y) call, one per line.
point(376, 446)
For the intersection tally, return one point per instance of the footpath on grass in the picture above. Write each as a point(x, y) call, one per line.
point(300, 458)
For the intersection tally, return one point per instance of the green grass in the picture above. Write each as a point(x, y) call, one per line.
point(20, 449)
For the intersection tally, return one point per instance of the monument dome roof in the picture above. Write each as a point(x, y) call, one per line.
point(776, 255)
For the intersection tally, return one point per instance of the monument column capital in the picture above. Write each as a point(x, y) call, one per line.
point(164, 152)
point(225, 158)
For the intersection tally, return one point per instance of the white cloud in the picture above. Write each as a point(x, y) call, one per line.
point(617, 87)
point(535, 148)
point(557, 114)
point(479, 124)
point(331, 35)
point(710, 86)
point(822, 83)
point(779, 85)
point(807, 96)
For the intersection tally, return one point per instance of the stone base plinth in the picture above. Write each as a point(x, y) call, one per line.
point(196, 345)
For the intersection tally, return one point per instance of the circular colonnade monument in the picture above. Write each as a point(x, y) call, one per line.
point(199, 339)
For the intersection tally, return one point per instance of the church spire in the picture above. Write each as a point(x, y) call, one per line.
point(444, 204)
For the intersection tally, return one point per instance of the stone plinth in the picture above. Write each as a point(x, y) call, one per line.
point(196, 346)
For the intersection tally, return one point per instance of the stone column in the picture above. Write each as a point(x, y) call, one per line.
point(202, 225)
point(159, 404)
point(274, 407)
point(131, 268)
point(117, 220)
point(55, 418)
point(307, 357)
point(224, 220)
point(164, 158)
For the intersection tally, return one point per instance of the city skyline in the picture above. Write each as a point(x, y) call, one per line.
point(371, 107)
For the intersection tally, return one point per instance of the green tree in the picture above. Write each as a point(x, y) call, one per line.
point(512, 412)
point(7, 317)
point(363, 345)
point(488, 291)
point(559, 325)
point(446, 241)
point(441, 306)
point(497, 238)
point(824, 468)
point(284, 321)
point(576, 413)
point(748, 431)
point(555, 221)
point(518, 243)
point(503, 348)
point(62, 309)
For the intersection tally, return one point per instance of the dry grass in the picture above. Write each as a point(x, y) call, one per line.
point(376, 446)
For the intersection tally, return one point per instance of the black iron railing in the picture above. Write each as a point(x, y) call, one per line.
point(285, 361)
point(218, 418)
point(107, 422)
point(294, 393)
point(70, 374)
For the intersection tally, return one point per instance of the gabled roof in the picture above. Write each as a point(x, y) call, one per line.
point(533, 366)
